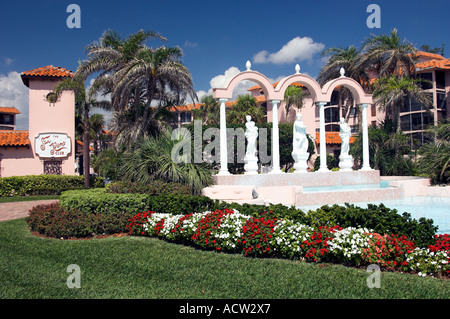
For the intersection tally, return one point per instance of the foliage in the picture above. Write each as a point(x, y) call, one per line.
point(153, 158)
point(55, 221)
point(435, 156)
point(378, 218)
point(331, 162)
point(245, 105)
point(389, 150)
point(43, 184)
point(209, 111)
point(107, 163)
point(155, 188)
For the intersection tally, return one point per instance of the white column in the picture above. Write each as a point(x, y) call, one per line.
point(365, 132)
point(223, 140)
point(323, 141)
point(275, 140)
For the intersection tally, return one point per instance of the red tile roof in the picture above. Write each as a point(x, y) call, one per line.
point(14, 138)
point(434, 64)
point(9, 110)
point(189, 107)
point(430, 55)
point(332, 138)
point(48, 71)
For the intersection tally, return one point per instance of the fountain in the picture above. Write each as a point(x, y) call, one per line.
point(301, 187)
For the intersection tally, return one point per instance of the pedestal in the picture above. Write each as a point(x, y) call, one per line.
point(301, 164)
point(345, 163)
point(251, 166)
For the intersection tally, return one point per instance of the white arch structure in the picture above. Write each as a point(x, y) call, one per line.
point(320, 96)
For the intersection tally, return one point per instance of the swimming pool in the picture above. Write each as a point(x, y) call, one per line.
point(430, 207)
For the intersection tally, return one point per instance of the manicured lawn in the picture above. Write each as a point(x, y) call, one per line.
point(137, 267)
point(27, 198)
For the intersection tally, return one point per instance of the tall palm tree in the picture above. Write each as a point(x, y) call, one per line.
point(245, 105)
point(209, 111)
point(96, 123)
point(388, 54)
point(84, 100)
point(389, 93)
point(152, 73)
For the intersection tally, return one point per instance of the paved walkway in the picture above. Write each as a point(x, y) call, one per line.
point(15, 210)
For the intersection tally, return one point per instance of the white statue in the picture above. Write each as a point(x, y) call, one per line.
point(345, 160)
point(251, 133)
point(300, 145)
point(345, 134)
point(300, 141)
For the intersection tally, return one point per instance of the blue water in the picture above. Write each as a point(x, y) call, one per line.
point(382, 184)
point(430, 207)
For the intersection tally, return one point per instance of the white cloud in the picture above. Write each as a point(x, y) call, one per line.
point(297, 50)
point(7, 61)
point(189, 44)
point(14, 93)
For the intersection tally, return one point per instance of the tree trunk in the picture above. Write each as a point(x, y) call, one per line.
point(86, 157)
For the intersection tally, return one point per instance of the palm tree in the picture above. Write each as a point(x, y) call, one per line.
point(151, 158)
point(294, 96)
point(209, 111)
point(389, 93)
point(147, 78)
point(388, 54)
point(96, 123)
point(245, 105)
point(83, 101)
point(346, 58)
point(435, 156)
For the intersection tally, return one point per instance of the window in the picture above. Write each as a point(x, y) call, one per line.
point(415, 121)
point(53, 167)
point(354, 129)
point(441, 101)
point(331, 115)
point(6, 128)
point(185, 117)
point(7, 119)
point(354, 111)
point(440, 79)
point(427, 84)
point(411, 105)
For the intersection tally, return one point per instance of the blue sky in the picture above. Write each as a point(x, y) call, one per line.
point(217, 37)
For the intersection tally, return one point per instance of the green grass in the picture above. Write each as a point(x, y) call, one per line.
point(138, 267)
point(27, 198)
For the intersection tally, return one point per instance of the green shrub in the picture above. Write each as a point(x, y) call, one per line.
point(379, 218)
point(55, 221)
point(99, 201)
point(154, 188)
point(43, 184)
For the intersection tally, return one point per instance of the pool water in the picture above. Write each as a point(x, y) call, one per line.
point(430, 207)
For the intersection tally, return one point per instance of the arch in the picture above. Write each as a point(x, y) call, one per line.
point(227, 91)
point(312, 85)
point(355, 88)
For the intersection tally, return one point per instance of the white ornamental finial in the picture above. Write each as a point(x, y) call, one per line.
point(248, 65)
point(342, 71)
point(297, 69)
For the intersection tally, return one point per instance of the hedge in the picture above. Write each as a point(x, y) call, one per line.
point(44, 184)
point(377, 217)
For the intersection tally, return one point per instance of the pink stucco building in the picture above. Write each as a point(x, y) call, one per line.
point(48, 147)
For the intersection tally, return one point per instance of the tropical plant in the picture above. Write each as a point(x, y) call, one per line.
point(157, 158)
point(245, 105)
point(294, 96)
point(96, 123)
point(209, 111)
point(390, 92)
point(388, 54)
point(138, 78)
point(84, 100)
point(435, 156)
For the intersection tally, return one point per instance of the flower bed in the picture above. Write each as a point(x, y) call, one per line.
point(268, 236)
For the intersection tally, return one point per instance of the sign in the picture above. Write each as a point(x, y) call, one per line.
point(52, 145)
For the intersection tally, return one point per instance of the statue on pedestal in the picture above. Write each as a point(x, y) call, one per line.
point(345, 160)
point(300, 145)
point(251, 160)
